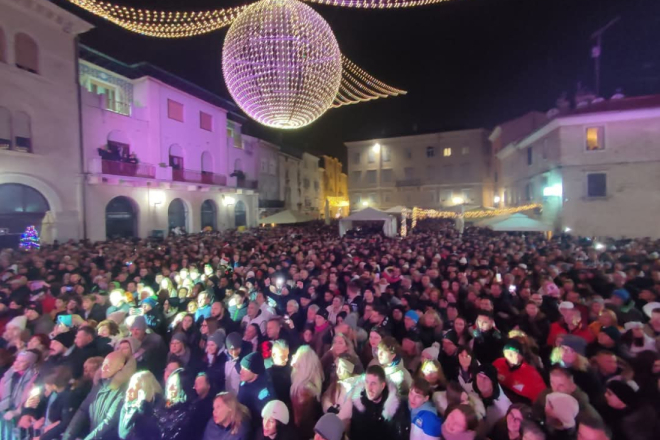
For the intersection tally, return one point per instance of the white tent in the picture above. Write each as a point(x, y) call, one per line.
point(396, 209)
point(516, 222)
point(369, 215)
point(287, 217)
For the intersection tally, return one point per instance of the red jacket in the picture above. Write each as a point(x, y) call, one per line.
point(524, 380)
point(559, 328)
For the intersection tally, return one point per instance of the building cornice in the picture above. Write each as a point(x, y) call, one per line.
point(415, 138)
point(52, 14)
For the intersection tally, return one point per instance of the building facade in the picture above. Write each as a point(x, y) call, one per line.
point(267, 160)
point(595, 169)
point(437, 170)
point(290, 164)
point(192, 169)
point(311, 185)
point(40, 167)
point(334, 187)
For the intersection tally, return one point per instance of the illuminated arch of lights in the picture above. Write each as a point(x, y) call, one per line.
point(268, 95)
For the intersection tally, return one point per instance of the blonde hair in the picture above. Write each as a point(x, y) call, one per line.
point(435, 316)
point(306, 372)
point(237, 413)
point(349, 344)
point(148, 384)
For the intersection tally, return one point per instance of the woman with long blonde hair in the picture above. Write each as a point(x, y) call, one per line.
point(228, 415)
point(341, 345)
point(306, 387)
point(137, 419)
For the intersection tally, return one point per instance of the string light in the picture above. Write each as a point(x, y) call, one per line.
point(281, 63)
point(358, 86)
point(422, 214)
point(377, 4)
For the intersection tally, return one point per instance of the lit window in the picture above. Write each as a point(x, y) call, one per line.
point(597, 185)
point(430, 152)
point(175, 110)
point(595, 138)
point(446, 152)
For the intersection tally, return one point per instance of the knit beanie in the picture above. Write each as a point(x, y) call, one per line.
point(577, 343)
point(612, 332)
point(18, 321)
point(564, 407)
point(330, 427)
point(66, 338)
point(180, 337)
point(253, 362)
point(412, 315)
point(431, 353)
point(452, 336)
point(623, 391)
point(139, 323)
point(233, 340)
point(622, 294)
point(276, 409)
point(218, 338)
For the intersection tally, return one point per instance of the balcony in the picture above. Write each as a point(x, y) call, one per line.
point(128, 169)
point(205, 177)
point(409, 182)
point(247, 184)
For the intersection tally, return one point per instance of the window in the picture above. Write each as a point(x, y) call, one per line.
point(409, 153)
point(529, 156)
point(430, 151)
point(306, 183)
point(386, 175)
point(408, 173)
point(371, 156)
point(446, 152)
point(175, 110)
point(529, 191)
point(355, 177)
point(595, 138)
point(387, 197)
point(272, 167)
point(22, 132)
point(264, 166)
point(385, 154)
point(467, 195)
point(446, 195)
point(356, 158)
point(372, 198)
point(371, 177)
point(26, 53)
point(3, 49)
point(205, 121)
point(597, 185)
point(5, 129)
point(465, 150)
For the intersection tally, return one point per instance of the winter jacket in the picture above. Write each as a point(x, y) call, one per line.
point(217, 432)
point(496, 406)
point(15, 388)
point(175, 421)
point(523, 380)
point(559, 328)
point(284, 432)
point(630, 423)
point(215, 370)
point(42, 325)
point(487, 346)
point(62, 409)
point(102, 407)
point(280, 377)
point(76, 359)
point(425, 423)
point(306, 411)
point(387, 419)
point(202, 412)
point(138, 422)
point(255, 395)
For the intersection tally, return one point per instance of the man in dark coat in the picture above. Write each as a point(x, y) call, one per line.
point(488, 341)
point(102, 407)
point(279, 372)
point(84, 349)
point(255, 390)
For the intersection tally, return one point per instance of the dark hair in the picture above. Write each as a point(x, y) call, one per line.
point(471, 420)
point(59, 378)
point(529, 425)
point(390, 344)
point(558, 369)
point(377, 370)
point(593, 422)
point(422, 386)
point(90, 331)
point(485, 313)
point(524, 409)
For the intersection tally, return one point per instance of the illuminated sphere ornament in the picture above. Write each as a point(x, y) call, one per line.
point(281, 63)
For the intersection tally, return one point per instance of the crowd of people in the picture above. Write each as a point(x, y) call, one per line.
point(293, 333)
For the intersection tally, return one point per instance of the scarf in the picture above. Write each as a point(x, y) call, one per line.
point(318, 329)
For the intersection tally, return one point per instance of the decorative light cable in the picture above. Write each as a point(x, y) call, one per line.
point(282, 63)
point(422, 214)
point(377, 4)
point(358, 86)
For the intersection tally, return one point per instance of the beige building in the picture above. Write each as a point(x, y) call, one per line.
point(596, 169)
point(334, 187)
point(437, 170)
point(310, 176)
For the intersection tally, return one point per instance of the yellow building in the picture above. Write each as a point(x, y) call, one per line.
point(334, 188)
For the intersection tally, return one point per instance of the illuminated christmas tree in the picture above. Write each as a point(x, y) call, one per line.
point(30, 239)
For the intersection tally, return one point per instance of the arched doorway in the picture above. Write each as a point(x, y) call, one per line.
point(209, 215)
point(21, 206)
point(240, 214)
point(177, 215)
point(120, 218)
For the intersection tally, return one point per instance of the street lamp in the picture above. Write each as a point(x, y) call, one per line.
point(457, 200)
point(365, 203)
point(496, 199)
point(376, 148)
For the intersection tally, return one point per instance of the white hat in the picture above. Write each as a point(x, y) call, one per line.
point(564, 407)
point(650, 307)
point(566, 305)
point(18, 321)
point(276, 409)
point(633, 324)
point(463, 260)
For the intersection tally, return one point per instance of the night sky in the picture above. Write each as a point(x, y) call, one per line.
point(465, 64)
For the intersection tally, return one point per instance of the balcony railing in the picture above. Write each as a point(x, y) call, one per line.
point(409, 182)
point(183, 175)
point(128, 169)
point(247, 184)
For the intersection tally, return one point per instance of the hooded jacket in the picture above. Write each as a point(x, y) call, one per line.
point(102, 407)
point(387, 419)
point(523, 380)
point(425, 423)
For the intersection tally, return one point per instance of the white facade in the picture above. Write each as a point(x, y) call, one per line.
point(596, 170)
point(290, 180)
point(186, 147)
point(39, 120)
point(430, 170)
point(311, 184)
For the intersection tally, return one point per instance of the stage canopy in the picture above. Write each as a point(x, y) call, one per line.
point(515, 222)
point(287, 217)
point(369, 215)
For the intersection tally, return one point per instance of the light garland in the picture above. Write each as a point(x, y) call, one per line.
point(422, 214)
point(281, 63)
point(358, 86)
point(377, 4)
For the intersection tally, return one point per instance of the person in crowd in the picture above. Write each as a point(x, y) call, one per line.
point(534, 322)
point(180, 351)
point(561, 411)
point(495, 402)
point(279, 372)
point(425, 423)
point(152, 353)
point(255, 390)
point(101, 410)
point(374, 410)
point(230, 421)
point(137, 420)
point(390, 359)
point(329, 427)
point(306, 387)
point(341, 344)
point(460, 424)
point(175, 414)
point(488, 341)
point(635, 340)
point(202, 405)
point(510, 426)
point(215, 360)
point(15, 386)
point(236, 351)
point(516, 375)
point(530, 430)
point(628, 415)
point(570, 355)
point(561, 381)
point(37, 321)
point(346, 375)
point(322, 331)
point(276, 426)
